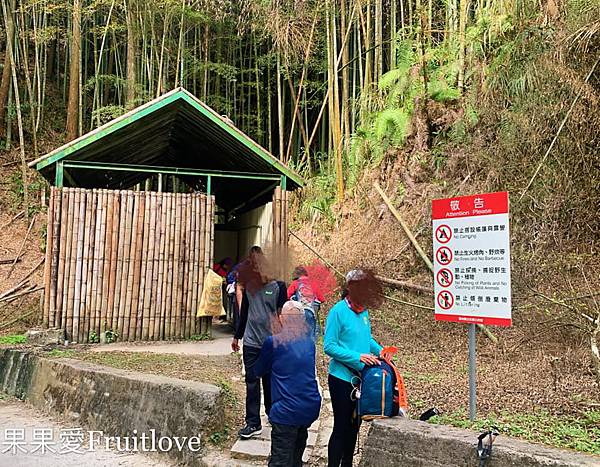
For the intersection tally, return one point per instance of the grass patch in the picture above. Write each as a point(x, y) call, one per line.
point(569, 432)
point(13, 339)
point(57, 353)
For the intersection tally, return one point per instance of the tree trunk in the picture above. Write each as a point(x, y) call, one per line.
point(131, 53)
point(74, 71)
point(5, 83)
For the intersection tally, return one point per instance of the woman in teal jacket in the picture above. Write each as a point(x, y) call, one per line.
point(349, 343)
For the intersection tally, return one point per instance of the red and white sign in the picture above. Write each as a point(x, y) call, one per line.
point(471, 245)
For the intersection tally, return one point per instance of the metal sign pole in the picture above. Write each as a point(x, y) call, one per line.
point(472, 373)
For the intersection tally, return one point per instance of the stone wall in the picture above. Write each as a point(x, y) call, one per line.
point(114, 401)
point(411, 443)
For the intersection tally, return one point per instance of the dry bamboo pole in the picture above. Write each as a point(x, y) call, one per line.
point(89, 293)
point(84, 318)
point(67, 245)
point(48, 265)
point(202, 255)
point(126, 258)
point(79, 337)
point(73, 266)
point(161, 292)
point(143, 268)
point(97, 213)
point(106, 256)
point(192, 270)
point(99, 310)
point(118, 260)
point(57, 194)
point(147, 324)
point(127, 309)
point(176, 323)
point(112, 272)
point(198, 265)
point(62, 254)
point(183, 260)
point(137, 265)
point(276, 223)
point(186, 272)
point(169, 275)
point(155, 267)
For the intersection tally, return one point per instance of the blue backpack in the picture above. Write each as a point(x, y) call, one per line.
point(378, 392)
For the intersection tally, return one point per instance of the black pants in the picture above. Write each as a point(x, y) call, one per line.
point(287, 445)
point(253, 388)
point(345, 424)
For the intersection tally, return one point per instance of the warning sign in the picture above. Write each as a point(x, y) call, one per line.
point(472, 259)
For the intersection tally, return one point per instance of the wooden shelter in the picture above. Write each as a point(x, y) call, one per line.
point(139, 210)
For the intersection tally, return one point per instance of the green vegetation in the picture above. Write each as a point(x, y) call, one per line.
point(58, 353)
point(13, 339)
point(580, 433)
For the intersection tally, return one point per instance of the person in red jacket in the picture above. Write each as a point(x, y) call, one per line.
point(300, 279)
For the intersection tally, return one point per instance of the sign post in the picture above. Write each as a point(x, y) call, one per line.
point(471, 245)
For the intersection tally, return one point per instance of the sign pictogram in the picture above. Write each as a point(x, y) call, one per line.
point(445, 277)
point(445, 300)
point(443, 233)
point(443, 255)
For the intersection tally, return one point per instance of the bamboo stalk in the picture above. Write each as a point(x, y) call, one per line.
point(57, 194)
point(97, 213)
point(87, 265)
point(169, 312)
point(48, 266)
point(127, 258)
point(202, 254)
point(119, 260)
point(193, 265)
point(143, 268)
point(64, 217)
point(70, 277)
point(109, 196)
point(20, 253)
point(211, 221)
point(137, 265)
point(187, 324)
point(113, 256)
point(176, 317)
point(78, 267)
point(100, 289)
point(147, 324)
point(161, 293)
point(154, 307)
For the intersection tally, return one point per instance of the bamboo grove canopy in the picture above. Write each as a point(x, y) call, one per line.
point(175, 134)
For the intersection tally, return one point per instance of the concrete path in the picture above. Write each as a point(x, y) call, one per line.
point(17, 415)
point(257, 449)
point(219, 345)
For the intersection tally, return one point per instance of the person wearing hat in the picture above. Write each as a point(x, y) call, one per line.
point(289, 357)
point(349, 343)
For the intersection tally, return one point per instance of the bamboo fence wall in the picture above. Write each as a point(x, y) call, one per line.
point(128, 262)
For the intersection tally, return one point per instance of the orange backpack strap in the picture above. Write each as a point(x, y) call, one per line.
point(400, 388)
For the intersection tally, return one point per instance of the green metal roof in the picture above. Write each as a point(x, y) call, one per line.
point(174, 130)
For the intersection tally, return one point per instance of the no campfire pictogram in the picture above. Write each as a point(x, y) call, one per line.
point(443, 255)
point(445, 277)
point(445, 300)
point(443, 233)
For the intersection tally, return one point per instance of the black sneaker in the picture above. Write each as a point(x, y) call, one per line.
point(250, 431)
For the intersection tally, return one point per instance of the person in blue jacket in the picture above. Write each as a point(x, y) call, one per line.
point(349, 343)
point(289, 356)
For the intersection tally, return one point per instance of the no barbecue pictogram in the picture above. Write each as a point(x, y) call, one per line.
point(445, 300)
point(443, 255)
point(443, 233)
point(445, 277)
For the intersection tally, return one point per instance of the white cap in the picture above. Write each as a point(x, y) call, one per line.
point(355, 275)
point(292, 307)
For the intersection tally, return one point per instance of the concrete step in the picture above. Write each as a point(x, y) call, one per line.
point(251, 449)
